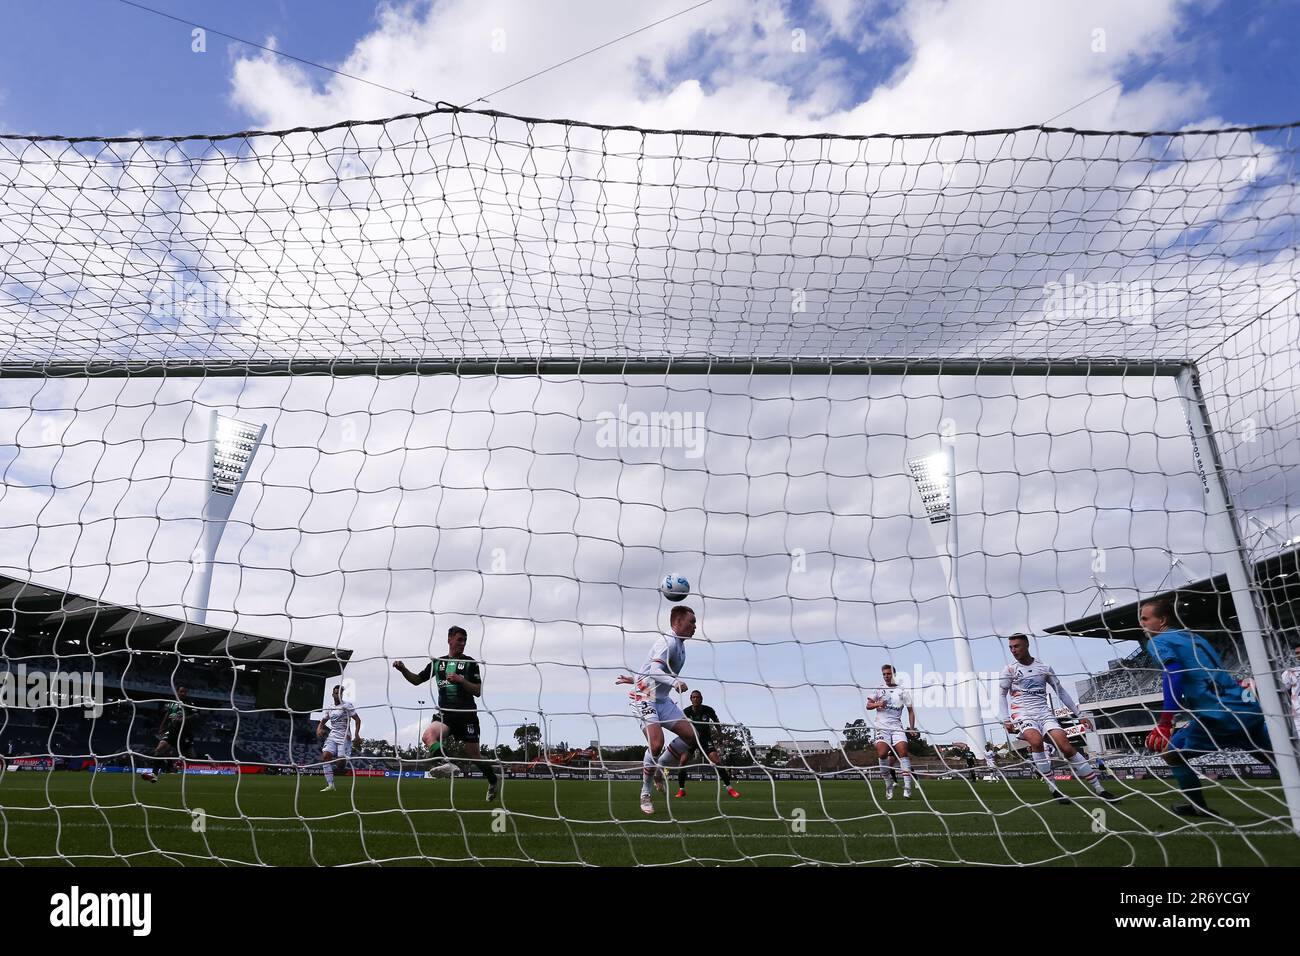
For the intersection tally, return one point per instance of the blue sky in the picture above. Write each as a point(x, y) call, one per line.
point(100, 67)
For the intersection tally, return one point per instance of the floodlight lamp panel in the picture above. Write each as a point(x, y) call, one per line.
point(232, 451)
point(934, 485)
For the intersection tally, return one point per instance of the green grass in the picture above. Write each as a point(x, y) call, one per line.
point(114, 818)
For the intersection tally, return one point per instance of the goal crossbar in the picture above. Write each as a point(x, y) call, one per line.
point(602, 366)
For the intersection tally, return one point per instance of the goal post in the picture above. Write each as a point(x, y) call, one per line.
point(1227, 542)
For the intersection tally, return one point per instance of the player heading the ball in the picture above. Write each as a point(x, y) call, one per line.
point(652, 703)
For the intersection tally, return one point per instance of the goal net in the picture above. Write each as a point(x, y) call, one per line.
point(282, 410)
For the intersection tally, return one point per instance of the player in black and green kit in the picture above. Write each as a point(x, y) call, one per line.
point(708, 733)
point(172, 733)
point(459, 681)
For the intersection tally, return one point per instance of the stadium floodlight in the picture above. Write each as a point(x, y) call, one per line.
point(232, 444)
point(933, 476)
point(936, 481)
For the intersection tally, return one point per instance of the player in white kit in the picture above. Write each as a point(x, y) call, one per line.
point(1030, 715)
point(990, 757)
point(1291, 686)
point(652, 703)
point(889, 701)
point(338, 745)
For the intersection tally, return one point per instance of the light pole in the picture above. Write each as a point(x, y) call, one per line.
point(231, 447)
point(936, 481)
point(419, 726)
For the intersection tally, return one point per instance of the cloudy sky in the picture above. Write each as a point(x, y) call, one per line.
point(380, 512)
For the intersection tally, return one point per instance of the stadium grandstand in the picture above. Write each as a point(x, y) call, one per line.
point(1125, 699)
point(251, 696)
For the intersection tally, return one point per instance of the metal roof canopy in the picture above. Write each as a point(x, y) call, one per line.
point(1205, 606)
point(38, 610)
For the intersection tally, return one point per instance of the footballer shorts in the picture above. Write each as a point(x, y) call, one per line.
point(463, 725)
point(1210, 732)
point(1040, 724)
point(891, 736)
point(338, 748)
point(657, 711)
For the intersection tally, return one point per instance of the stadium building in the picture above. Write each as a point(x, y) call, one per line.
point(1125, 700)
point(87, 681)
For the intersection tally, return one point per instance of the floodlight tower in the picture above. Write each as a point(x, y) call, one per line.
point(231, 447)
point(936, 480)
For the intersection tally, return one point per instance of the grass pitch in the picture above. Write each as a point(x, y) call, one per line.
point(115, 819)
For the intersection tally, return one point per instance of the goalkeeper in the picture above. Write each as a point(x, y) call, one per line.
point(1195, 683)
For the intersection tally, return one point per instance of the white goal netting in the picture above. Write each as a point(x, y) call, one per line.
point(278, 410)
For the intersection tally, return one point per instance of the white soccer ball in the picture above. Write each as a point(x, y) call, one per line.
point(674, 587)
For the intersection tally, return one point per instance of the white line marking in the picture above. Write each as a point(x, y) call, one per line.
point(634, 832)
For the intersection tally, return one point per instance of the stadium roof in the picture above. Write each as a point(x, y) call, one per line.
point(1206, 606)
point(42, 610)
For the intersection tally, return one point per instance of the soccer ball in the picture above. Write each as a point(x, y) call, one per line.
point(674, 587)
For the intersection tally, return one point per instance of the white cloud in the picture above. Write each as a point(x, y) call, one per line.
point(968, 66)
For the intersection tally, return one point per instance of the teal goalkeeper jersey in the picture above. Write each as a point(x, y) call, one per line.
point(1195, 678)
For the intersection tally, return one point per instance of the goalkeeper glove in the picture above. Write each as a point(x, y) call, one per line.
point(1158, 739)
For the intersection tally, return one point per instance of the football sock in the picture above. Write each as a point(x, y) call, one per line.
point(906, 764)
point(1086, 771)
point(672, 753)
point(647, 771)
point(1043, 764)
point(329, 772)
